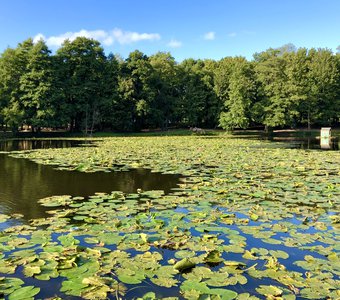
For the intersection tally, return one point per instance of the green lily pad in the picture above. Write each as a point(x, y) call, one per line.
point(129, 279)
point(269, 290)
point(213, 257)
point(184, 264)
point(26, 292)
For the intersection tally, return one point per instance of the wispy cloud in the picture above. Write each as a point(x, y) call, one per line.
point(210, 36)
point(174, 44)
point(232, 34)
point(107, 38)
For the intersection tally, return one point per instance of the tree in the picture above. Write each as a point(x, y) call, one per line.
point(196, 99)
point(213, 106)
point(298, 85)
point(275, 107)
point(190, 103)
point(81, 88)
point(9, 78)
point(240, 96)
point(13, 65)
point(165, 89)
point(287, 48)
point(37, 89)
point(324, 78)
point(109, 117)
point(133, 110)
point(82, 64)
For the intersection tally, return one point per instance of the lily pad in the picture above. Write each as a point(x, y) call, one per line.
point(26, 292)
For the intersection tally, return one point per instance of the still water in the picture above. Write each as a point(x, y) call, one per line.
point(19, 145)
point(296, 139)
point(23, 182)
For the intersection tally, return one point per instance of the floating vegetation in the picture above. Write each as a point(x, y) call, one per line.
point(248, 222)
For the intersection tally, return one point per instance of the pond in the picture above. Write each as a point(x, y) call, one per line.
point(23, 182)
point(250, 220)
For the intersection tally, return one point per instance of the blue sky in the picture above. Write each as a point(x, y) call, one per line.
point(186, 28)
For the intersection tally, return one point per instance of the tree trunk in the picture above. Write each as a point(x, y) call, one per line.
point(93, 121)
point(86, 118)
point(308, 119)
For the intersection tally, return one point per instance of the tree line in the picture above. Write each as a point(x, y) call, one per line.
point(80, 88)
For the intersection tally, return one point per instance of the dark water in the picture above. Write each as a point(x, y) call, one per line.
point(296, 140)
point(309, 143)
point(18, 145)
point(23, 182)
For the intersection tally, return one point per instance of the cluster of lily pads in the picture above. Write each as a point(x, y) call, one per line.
point(249, 220)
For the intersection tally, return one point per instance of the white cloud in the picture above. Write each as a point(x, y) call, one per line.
point(127, 37)
point(106, 37)
point(232, 34)
point(174, 44)
point(210, 36)
point(38, 37)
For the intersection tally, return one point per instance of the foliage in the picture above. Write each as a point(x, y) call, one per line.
point(82, 68)
point(80, 88)
point(241, 95)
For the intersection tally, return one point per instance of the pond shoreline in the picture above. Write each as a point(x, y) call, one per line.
point(151, 132)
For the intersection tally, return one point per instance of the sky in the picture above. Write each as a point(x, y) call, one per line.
point(186, 28)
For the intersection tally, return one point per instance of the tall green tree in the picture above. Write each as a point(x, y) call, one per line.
point(82, 64)
point(13, 65)
point(165, 88)
point(9, 79)
point(190, 103)
point(135, 92)
point(240, 95)
point(275, 107)
point(196, 100)
point(298, 86)
point(108, 113)
point(37, 88)
point(213, 106)
point(324, 80)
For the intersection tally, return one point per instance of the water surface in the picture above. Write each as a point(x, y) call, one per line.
point(23, 182)
point(296, 139)
point(19, 145)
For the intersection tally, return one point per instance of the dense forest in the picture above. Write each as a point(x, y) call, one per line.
point(80, 88)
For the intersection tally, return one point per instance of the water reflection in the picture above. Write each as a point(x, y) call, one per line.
point(18, 145)
point(23, 182)
point(309, 142)
point(295, 139)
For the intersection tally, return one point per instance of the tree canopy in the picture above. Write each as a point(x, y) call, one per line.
point(79, 87)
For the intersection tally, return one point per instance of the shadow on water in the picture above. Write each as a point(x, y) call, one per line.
point(19, 145)
point(295, 139)
point(23, 182)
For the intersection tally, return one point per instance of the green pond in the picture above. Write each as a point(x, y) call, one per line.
point(197, 217)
